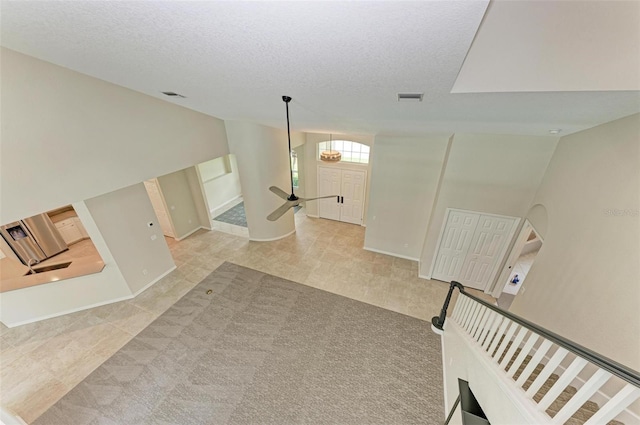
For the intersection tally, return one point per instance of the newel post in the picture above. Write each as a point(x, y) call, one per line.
point(437, 322)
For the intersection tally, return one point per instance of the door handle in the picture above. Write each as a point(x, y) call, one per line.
point(338, 199)
point(342, 199)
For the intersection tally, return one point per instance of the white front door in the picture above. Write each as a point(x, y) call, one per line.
point(352, 196)
point(487, 248)
point(349, 186)
point(329, 184)
point(454, 245)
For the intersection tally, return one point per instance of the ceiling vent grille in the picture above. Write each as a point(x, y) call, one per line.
point(410, 97)
point(173, 94)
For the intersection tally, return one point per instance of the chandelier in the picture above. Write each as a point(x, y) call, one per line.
point(330, 155)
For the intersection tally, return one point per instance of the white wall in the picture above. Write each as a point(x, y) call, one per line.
point(263, 161)
point(496, 174)
point(157, 200)
point(67, 137)
point(404, 180)
point(121, 217)
point(300, 151)
point(584, 284)
point(182, 209)
point(198, 196)
point(221, 187)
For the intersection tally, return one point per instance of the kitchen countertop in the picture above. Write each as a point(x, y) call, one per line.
point(12, 272)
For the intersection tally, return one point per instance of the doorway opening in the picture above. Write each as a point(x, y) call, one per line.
point(522, 257)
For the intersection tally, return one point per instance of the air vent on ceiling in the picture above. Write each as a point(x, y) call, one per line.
point(410, 97)
point(170, 93)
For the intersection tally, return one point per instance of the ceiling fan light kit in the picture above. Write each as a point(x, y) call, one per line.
point(291, 200)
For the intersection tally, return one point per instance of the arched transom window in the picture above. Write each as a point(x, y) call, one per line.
point(351, 151)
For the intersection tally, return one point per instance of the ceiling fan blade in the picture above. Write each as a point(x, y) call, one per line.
point(319, 197)
point(281, 193)
point(279, 212)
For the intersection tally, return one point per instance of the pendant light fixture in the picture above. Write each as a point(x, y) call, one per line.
point(330, 155)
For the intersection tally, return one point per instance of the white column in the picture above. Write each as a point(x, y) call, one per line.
point(262, 154)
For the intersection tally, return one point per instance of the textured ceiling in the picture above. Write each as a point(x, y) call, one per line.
point(342, 62)
point(555, 45)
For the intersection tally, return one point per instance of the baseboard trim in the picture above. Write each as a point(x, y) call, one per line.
point(313, 216)
point(87, 307)
point(190, 233)
point(153, 282)
point(222, 207)
point(272, 239)
point(64, 312)
point(379, 251)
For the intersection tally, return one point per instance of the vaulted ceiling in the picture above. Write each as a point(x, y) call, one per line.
point(520, 67)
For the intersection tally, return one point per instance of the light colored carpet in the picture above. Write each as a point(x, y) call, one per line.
point(264, 350)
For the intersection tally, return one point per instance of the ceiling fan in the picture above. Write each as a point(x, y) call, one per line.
point(290, 200)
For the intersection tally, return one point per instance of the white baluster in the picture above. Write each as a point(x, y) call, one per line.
point(478, 330)
point(487, 328)
point(476, 323)
point(503, 345)
point(546, 371)
point(494, 330)
point(533, 337)
point(540, 352)
point(472, 311)
point(563, 381)
point(474, 318)
point(617, 404)
point(496, 339)
point(597, 380)
point(456, 309)
point(461, 304)
point(516, 343)
point(467, 309)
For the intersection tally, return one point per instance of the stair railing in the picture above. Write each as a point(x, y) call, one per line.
point(500, 334)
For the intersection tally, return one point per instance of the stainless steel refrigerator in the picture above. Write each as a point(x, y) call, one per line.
point(34, 238)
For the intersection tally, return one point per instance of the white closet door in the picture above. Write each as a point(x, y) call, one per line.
point(486, 249)
point(329, 184)
point(352, 194)
point(454, 245)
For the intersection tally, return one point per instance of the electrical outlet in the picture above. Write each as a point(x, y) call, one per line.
point(406, 245)
point(153, 237)
point(189, 221)
point(173, 207)
point(145, 272)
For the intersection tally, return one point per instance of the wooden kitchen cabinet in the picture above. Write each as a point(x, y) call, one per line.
point(80, 227)
point(70, 230)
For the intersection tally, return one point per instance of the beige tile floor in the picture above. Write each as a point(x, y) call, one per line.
point(40, 362)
